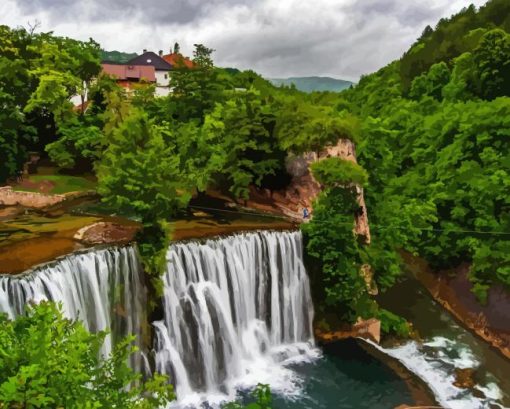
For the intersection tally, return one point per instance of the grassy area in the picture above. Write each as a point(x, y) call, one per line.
point(56, 184)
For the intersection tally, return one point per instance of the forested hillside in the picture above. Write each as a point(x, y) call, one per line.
point(310, 84)
point(436, 143)
point(116, 56)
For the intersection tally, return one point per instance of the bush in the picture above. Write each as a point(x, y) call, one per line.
point(392, 323)
point(49, 361)
point(335, 171)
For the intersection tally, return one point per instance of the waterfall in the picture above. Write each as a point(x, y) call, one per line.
point(103, 288)
point(236, 310)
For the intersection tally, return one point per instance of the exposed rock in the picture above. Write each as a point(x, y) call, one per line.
point(35, 200)
point(368, 275)
point(106, 233)
point(367, 329)
point(9, 197)
point(464, 378)
point(303, 188)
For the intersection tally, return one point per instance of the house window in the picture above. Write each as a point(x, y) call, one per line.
point(166, 76)
point(149, 60)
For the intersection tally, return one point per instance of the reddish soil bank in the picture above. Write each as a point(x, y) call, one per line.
point(452, 290)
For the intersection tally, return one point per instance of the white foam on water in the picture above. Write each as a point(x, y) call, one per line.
point(435, 361)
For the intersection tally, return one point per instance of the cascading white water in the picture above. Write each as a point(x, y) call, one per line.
point(235, 310)
point(102, 288)
point(435, 362)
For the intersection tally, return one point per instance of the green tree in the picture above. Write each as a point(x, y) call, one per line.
point(431, 83)
point(342, 285)
point(16, 85)
point(140, 174)
point(65, 68)
point(243, 150)
point(38, 75)
point(48, 361)
point(202, 56)
point(195, 90)
point(336, 171)
point(493, 62)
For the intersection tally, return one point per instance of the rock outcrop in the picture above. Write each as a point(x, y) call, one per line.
point(106, 233)
point(10, 197)
point(35, 200)
point(367, 329)
point(303, 188)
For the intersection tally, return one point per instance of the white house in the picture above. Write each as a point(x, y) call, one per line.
point(161, 67)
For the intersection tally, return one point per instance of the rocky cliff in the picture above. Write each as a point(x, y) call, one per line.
point(303, 188)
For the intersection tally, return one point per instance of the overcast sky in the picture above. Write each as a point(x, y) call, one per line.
point(277, 38)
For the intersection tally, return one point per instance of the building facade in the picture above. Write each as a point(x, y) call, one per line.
point(161, 67)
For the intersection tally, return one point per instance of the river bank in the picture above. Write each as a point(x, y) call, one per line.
point(29, 237)
point(446, 352)
point(452, 290)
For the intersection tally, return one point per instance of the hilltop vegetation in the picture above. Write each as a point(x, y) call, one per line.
point(436, 139)
point(116, 56)
point(311, 84)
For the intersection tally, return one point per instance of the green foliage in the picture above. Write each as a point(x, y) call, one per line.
point(262, 396)
point(336, 171)
point(195, 90)
point(303, 126)
point(452, 37)
point(242, 150)
point(492, 58)
point(38, 75)
point(332, 244)
point(431, 83)
point(116, 56)
point(140, 174)
point(48, 361)
point(439, 160)
point(392, 323)
point(77, 140)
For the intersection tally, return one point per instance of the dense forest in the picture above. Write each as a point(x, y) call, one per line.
point(432, 133)
point(436, 143)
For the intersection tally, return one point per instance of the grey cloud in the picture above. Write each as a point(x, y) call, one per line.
point(342, 38)
point(408, 13)
point(149, 11)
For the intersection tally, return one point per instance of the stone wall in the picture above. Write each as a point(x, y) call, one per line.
point(10, 197)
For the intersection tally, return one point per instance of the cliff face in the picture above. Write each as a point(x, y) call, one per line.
point(303, 188)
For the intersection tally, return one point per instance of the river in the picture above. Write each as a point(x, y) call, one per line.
point(237, 311)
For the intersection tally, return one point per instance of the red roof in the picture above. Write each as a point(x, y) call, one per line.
point(130, 72)
point(178, 60)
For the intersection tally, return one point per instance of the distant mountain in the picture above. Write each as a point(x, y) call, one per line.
point(310, 84)
point(116, 56)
